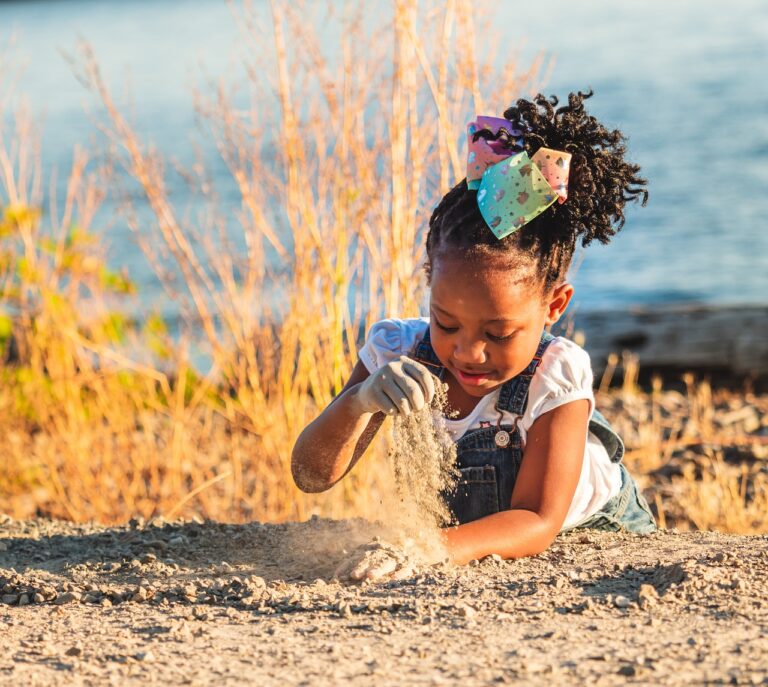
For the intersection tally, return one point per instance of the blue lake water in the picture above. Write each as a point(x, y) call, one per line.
point(686, 82)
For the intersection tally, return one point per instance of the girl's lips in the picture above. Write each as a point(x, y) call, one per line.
point(473, 378)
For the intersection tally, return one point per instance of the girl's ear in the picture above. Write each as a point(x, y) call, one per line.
point(557, 302)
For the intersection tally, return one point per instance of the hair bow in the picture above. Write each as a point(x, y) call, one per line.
point(512, 188)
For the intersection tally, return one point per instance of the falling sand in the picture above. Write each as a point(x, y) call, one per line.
point(423, 460)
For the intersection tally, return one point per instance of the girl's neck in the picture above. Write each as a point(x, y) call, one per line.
point(460, 403)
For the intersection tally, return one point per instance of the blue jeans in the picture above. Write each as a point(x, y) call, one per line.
point(489, 458)
point(628, 511)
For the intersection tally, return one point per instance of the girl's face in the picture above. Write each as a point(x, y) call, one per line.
point(485, 322)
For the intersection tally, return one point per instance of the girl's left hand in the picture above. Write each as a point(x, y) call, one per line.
point(375, 561)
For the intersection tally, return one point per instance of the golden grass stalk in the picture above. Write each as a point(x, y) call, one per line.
point(337, 162)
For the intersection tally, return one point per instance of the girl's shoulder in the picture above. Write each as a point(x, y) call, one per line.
point(564, 357)
point(563, 375)
point(388, 339)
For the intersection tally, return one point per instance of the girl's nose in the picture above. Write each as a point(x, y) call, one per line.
point(470, 352)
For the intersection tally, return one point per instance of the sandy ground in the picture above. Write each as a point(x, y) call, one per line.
point(202, 603)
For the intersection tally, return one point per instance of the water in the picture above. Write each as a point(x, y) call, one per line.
point(684, 80)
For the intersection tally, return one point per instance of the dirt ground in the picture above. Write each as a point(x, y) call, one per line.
point(201, 603)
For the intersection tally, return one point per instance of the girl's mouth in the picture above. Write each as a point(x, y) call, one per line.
point(472, 378)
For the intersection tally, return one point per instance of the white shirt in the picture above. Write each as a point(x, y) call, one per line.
point(563, 375)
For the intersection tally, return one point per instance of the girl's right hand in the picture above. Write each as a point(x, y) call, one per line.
point(400, 387)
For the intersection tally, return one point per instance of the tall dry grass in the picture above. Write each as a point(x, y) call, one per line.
point(337, 157)
point(337, 160)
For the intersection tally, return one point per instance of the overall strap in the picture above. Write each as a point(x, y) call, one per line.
point(424, 354)
point(513, 396)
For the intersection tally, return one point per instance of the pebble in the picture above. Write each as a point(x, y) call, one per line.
point(74, 651)
point(621, 601)
point(466, 611)
point(647, 595)
point(140, 594)
point(67, 597)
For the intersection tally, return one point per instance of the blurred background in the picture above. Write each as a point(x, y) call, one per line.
point(205, 204)
point(686, 84)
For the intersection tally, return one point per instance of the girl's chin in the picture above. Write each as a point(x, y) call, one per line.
point(475, 384)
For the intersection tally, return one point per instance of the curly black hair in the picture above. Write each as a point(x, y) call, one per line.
point(600, 184)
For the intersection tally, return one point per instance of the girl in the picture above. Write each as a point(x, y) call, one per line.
point(535, 457)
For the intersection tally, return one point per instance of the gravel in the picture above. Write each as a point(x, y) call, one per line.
point(199, 602)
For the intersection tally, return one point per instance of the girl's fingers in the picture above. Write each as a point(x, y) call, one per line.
point(381, 569)
point(374, 565)
point(397, 398)
point(385, 403)
point(423, 376)
point(412, 391)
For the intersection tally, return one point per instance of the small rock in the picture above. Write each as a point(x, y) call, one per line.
point(140, 594)
point(67, 597)
point(647, 596)
point(466, 611)
point(74, 651)
point(621, 601)
point(38, 598)
point(177, 540)
point(259, 582)
point(148, 558)
point(9, 599)
point(24, 600)
point(627, 670)
point(494, 557)
point(145, 656)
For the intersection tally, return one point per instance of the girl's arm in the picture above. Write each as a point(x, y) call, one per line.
point(330, 446)
point(543, 492)
point(332, 443)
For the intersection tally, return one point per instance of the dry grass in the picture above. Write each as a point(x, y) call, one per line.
point(337, 161)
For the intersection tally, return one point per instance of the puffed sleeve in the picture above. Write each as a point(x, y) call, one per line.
point(564, 375)
point(388, 339)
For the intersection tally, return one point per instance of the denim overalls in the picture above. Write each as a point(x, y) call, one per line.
point(489, 458)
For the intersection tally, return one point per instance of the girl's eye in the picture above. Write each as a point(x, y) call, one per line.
point(493, 337)
point(443, 327)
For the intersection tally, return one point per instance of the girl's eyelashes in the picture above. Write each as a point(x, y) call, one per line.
point(491, 337)
point(444, 327)
point(500, 339)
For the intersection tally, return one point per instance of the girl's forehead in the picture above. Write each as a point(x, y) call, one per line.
point(483, 293)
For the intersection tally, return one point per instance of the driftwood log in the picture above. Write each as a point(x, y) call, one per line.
point(685, 337)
